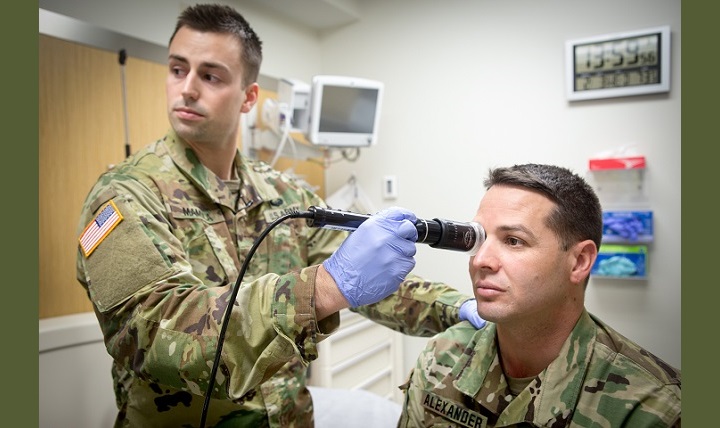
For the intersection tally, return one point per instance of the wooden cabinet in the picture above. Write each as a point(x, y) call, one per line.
point(81, 130)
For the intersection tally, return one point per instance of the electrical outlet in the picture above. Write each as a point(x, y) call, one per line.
point(390, 190)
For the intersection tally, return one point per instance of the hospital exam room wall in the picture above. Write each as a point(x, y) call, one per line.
point(474, 85)
point(471, 85)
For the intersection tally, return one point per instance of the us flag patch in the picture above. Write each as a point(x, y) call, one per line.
point(101, 226)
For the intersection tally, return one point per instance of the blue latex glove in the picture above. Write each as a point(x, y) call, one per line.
point(627, 228)
point(468, 312)
point(617, 266)
point(373, 261)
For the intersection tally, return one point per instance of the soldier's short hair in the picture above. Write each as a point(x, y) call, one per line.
point(217, 18)
point(577, 215)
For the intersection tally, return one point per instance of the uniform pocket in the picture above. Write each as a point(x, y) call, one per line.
point(219, 248)
point(205, 238)
point(125, 261)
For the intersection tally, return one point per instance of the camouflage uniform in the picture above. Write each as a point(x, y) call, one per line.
point(600, 379)
point(160, 277)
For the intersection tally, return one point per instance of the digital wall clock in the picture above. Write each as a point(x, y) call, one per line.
point(618, 65)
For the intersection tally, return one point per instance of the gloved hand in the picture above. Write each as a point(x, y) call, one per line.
point(468, 312)
point(373, 261)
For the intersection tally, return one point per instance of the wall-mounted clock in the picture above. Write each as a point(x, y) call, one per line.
point(618, 65)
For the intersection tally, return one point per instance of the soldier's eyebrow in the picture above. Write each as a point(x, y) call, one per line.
point(205, 64)
point(517, 228)
point(178, 58)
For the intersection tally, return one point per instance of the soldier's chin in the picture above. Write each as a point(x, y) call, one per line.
point(185, 131)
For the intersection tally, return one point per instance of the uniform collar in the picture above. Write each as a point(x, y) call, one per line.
point(551, 396)
point(254, 188)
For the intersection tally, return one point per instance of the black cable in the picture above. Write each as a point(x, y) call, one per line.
point(233, 296)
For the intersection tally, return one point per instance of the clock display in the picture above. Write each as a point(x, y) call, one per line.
point(619, 65)
point(623, 62)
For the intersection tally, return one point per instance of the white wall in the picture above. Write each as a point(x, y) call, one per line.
point(473, 85)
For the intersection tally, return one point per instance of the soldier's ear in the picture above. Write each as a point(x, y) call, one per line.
point(583, 257)
point(251, 97)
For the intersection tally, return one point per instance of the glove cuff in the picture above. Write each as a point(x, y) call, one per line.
point(340, 276)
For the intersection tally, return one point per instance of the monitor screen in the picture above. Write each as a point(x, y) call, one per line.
point(346, 109)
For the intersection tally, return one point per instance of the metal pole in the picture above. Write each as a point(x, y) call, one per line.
point(122, 58)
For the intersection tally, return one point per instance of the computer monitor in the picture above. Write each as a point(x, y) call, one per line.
point(344, 111)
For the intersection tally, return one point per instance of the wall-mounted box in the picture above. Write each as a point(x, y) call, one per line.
point(627, 227)
point(295, 96)
point(625, 162)
point(621, 261)
point(619, 181)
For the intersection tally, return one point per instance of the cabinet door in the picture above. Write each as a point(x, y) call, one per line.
point(82, 133)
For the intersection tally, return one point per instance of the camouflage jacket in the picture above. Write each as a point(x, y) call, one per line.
point(600, 379)
point(161, 245)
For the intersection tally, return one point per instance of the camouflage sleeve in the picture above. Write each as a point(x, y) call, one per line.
point(419, 307)
point(162, 322)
